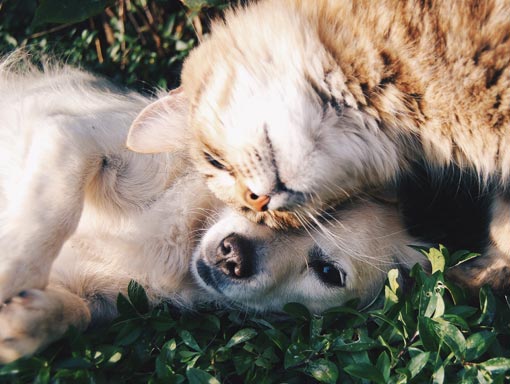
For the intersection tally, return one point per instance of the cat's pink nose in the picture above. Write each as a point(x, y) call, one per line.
point(256, 202)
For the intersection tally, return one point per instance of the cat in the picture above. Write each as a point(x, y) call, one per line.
point(296, 105)
point(80, 216)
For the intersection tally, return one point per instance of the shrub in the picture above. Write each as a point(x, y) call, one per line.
point(431, 333)
point(140, 43)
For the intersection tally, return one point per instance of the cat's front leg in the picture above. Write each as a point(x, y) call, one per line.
point(35, 318)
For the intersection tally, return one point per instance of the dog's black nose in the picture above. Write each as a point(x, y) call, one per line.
point(234, 256)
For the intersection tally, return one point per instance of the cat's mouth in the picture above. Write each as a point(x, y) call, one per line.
point(303, 215)
point(274, 219)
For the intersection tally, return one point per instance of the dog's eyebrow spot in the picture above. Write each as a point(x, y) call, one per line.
point(105, 162)
point(316, 253)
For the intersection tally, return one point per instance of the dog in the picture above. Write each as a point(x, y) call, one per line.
point(81, 216)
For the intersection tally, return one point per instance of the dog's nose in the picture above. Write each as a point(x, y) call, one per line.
point(234, 256)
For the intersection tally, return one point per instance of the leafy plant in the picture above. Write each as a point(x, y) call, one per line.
point(140, 43)
point(432, 333)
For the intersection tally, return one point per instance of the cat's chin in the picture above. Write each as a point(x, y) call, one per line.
point(273, 219)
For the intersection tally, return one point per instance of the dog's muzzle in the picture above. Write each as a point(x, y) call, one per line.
point(233, 261)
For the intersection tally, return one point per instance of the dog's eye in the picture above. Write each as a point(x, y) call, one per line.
point(215, 163)
point(328, 273)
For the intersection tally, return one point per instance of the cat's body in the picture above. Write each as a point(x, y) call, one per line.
point(295, 105)
point(341, 95)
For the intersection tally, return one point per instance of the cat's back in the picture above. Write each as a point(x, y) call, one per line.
point(438, 70)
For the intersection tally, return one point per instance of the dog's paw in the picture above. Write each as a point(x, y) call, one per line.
point(21, 276)
point(29, 322)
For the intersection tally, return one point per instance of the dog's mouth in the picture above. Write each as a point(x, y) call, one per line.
point(208, 275)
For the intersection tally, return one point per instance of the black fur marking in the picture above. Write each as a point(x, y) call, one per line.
point(388, 80)
point(449, 206)
point(325, 97)
point(279, 185)
point(480, 51)
point(492, 77)
point(497, 103)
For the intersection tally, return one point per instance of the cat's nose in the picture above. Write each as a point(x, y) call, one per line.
point(256, 202)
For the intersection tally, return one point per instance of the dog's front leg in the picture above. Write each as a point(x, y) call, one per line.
point(44, 202)
point(34, 319)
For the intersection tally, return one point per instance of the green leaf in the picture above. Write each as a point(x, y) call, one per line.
point(138, 297)
point(67, 11)
point(189, 340)
point(163, 370)
point(198, 376)
point(107, 355)
point(242, 363)
point(478, 343)
point(162, 323)
point(393, 280)
point(487, 306)
point(496, 365)
point(462, 311)
point(129, 333)
point(452, 337)
point(278, 338)
point(431, 300)
point(428, 335)
point(124, 306)
point(365, 371)
point(197, 5)
point(417, 363)
point(436, 258)
point(297, 311)
point(362, 344)
point(295, 354)
point(434, 332)
point(323, 371)
point(438, 375)
point(457, 321)
point(383, 365)
point(461, 256)
point(43, 377)
point(168, 350)
point(241, 336)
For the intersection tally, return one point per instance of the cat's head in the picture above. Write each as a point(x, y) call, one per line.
point(270, 121)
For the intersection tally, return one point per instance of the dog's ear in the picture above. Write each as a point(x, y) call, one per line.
point(161, 126)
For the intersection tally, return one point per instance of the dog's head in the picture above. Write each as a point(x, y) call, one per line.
point(256, 268)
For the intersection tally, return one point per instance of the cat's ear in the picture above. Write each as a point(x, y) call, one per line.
point(161, 126)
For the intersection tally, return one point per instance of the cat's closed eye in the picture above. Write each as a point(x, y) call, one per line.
point(215, 163)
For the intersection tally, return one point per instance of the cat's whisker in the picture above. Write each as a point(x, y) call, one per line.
point(339, 243)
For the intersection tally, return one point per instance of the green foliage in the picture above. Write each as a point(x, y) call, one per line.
point(141, 43)
point(431, 333)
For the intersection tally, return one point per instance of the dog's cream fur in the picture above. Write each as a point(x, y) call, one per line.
point(69, 188)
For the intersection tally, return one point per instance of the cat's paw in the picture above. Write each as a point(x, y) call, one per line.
point(28, 322)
